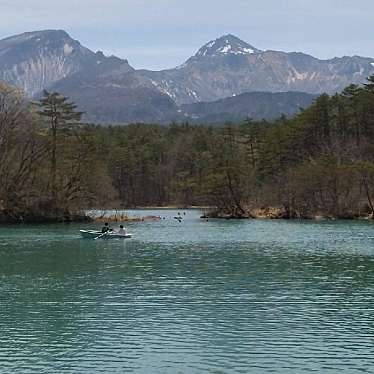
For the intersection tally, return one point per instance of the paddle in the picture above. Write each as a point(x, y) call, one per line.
point(103, 234)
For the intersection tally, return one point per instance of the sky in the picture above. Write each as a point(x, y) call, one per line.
point(157, 34)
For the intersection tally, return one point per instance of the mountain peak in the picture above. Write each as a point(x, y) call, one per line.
point(225, 45)
point(35, 60)
point(50, 32)
point(37, 36)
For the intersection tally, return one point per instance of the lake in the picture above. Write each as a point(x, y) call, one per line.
point(189, 297)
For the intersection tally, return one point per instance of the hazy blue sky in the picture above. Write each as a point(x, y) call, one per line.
point(163, 33)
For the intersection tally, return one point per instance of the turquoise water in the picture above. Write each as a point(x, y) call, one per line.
point(189, 297)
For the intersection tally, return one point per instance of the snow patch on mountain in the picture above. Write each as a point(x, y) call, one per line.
point(225, 49)
point(193, 94)
point(226, 45)
point(238, 51)
point(164, 87)
point(300, 76)
point(68, 49)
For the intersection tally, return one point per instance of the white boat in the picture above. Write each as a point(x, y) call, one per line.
point(92, 234)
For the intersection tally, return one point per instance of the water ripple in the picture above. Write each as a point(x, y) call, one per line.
point(216, 297)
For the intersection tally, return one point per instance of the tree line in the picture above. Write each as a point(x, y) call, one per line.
point(319, 163)
point(50, 167)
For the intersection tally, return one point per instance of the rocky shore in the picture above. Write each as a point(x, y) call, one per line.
point(278, 213)
point(43, 217)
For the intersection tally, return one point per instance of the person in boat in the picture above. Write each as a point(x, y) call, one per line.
point(106, 228)
point(122, 230)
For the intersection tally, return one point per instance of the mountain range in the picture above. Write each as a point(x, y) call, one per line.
point(226, 79)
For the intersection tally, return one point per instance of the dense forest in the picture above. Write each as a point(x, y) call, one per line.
point(319, 163)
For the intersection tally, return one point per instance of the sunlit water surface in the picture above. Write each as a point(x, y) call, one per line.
point(189, 297)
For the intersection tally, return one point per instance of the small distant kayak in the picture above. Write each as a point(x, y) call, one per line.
point(92, 234)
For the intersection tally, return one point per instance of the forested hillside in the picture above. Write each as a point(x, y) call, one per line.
point(255, 105)
point(320, 163)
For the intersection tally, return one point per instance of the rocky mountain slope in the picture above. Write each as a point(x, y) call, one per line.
point(33, 61)
point(108, 89)
point(111, 91)
point(228, 66)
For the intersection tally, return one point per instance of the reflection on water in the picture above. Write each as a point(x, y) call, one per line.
point(189, 297)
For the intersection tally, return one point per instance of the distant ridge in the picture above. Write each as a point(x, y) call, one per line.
point(254, 105)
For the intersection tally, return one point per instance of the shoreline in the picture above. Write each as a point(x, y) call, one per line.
point(121, 215)
point(275, 213)
point(45, 220)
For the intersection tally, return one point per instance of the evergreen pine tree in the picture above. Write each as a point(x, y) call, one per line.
point(60, 114)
